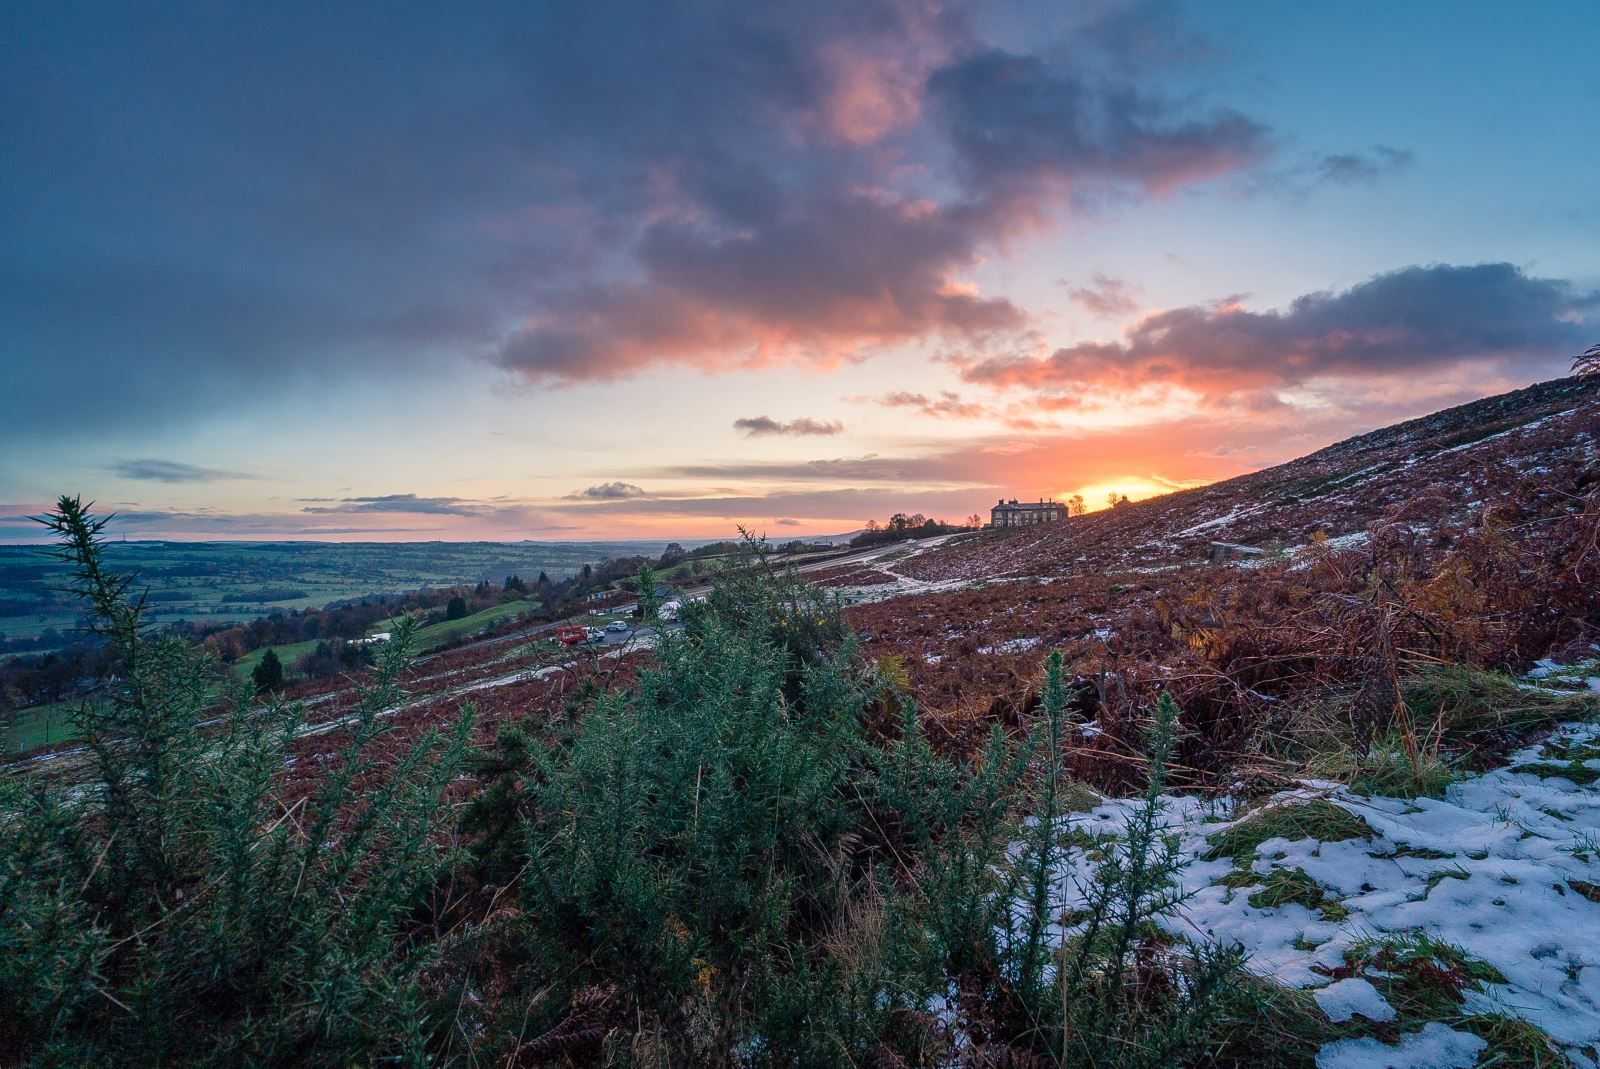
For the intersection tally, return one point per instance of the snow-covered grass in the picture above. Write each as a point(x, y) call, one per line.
point(1427, 923)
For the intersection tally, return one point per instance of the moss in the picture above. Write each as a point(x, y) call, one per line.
point(1316, 819)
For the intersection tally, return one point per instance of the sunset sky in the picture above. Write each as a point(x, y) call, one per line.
point(607, 270)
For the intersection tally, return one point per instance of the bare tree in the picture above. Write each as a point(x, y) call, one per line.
point(1587, 364)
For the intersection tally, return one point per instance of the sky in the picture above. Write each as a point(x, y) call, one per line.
point(625, 270)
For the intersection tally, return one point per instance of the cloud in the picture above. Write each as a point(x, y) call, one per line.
point(612, 491)
point(1109, 298)
point(1024, 128)
point(787, 522)
point(1350, 168)
point(569, 193)
point(1413, 319)
point(1309, 174)
point(817, 279)
point(172, 471)
point(402, 503)
point(804, 427)
point(946, 405)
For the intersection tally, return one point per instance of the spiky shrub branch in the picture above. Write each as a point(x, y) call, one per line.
point(172, 910)
point(1130, 995)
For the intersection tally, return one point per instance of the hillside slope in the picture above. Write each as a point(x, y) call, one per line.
point(1469, 537)
point(1444, 463)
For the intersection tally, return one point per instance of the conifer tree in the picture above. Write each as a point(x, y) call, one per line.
point(268, 673)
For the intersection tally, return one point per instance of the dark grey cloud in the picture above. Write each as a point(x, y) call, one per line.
point(252, 200)
point(1024, 128)
point(172, 471)
point(787, 522)
point(1404, 321)
point(1107, 297)
point(402, 503)
point(612, 491)
point(804, 427)
point(835, 503)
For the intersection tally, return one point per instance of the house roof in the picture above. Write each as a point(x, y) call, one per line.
point(1028, 506)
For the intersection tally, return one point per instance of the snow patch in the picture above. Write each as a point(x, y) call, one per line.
point(1346, 998)
point(1437, 1046)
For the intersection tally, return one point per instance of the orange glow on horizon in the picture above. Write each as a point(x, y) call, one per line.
point(1136, 487)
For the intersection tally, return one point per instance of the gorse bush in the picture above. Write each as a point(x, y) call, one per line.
point(749, 855)
point(721, 866)
point(700, 878)
point(172, 911)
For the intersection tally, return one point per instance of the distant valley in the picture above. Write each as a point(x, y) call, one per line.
point(220, 582)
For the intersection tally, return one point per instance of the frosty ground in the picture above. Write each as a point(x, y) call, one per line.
point(1417, 924)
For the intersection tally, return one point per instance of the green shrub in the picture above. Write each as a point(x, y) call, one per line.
point(699, 869)
point(719, 866)
point(171, 911)
point(1131, 996)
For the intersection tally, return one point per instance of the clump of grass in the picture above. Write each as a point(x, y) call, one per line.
point(1269, 1026)
point(1513, 1043)
point(1282, 886)
point(1078, 797)
point(1422, 853)
point(1455, 872)
point(1472, 702)
point(1315, 819)
point(1570, 749)
point(1399, 765)
point(1423, 978)
point(1585, 846)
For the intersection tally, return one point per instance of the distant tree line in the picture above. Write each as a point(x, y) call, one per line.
point(900, 527)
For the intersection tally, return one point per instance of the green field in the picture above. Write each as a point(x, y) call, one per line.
point(37, 726)
point(427, 638)
point(288, 654)
point(447, 631)
point(226, 582)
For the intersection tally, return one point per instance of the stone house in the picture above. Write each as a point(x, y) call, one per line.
point(1014, 514)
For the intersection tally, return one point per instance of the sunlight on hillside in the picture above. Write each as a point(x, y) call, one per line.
point(1097, 496)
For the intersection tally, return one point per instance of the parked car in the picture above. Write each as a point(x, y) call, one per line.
point(617, 625)
point(595, 634)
